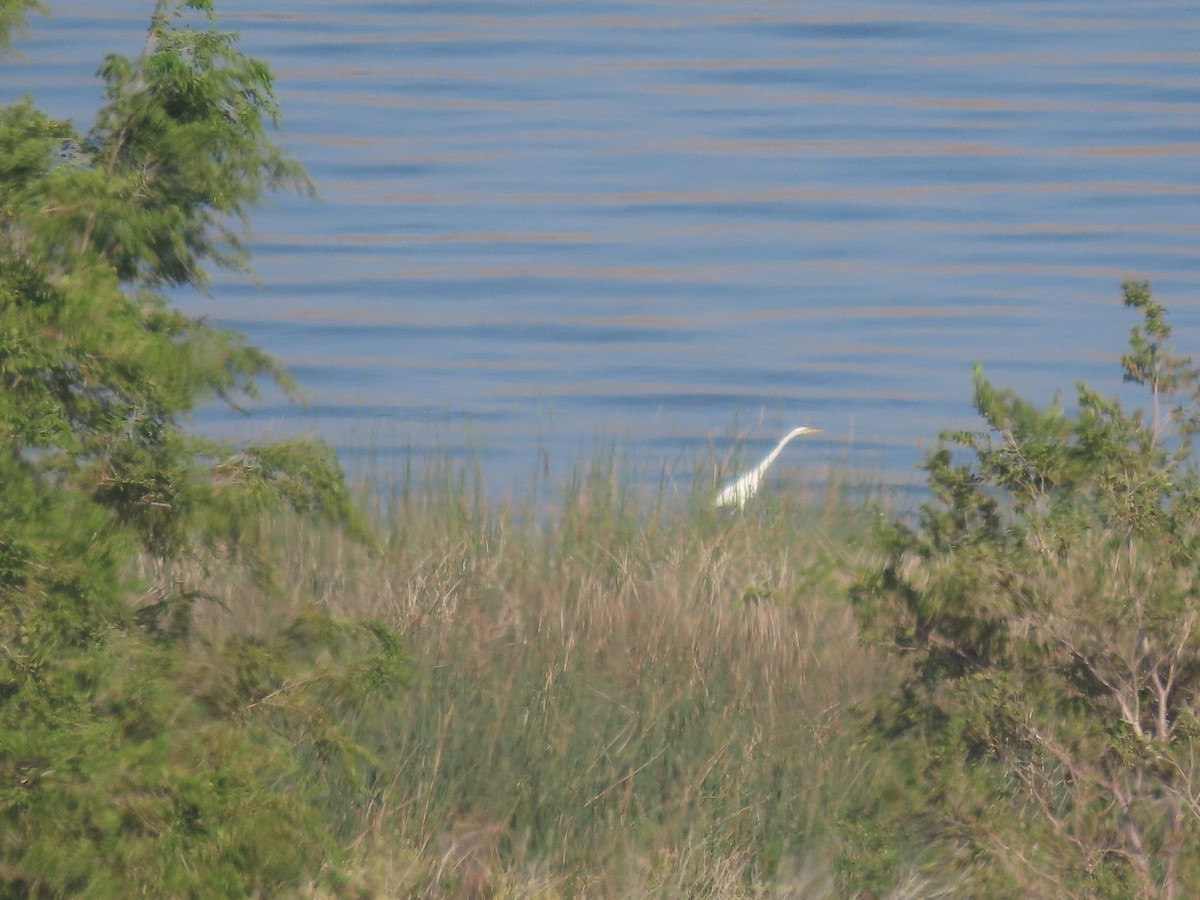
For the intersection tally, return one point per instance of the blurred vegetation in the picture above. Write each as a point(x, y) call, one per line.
point(1047, 601)
point(13, 15)
point(605, 701)
point(136, 755)
point(223, 675)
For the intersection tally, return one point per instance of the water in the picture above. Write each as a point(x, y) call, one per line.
point(548, 227)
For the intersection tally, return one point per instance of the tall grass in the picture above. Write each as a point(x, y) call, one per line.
point(619, 696)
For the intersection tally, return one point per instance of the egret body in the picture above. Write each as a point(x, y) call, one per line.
point(745, 486)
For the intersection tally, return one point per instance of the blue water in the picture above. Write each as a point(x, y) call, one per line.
point(546, 227)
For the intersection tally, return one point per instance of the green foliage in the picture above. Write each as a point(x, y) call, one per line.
point(1047, 603)
point(177, 157)
point(181, 774)
point(130, 763)
point(12, 17)
point(116, 783)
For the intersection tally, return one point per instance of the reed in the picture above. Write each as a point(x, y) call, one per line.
point(620, 695)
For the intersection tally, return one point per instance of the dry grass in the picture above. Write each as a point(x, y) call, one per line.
point(606, 702)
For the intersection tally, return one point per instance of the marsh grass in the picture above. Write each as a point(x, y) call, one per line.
point(619, 695)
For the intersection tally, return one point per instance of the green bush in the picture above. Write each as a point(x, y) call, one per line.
point(1047, 603)
point(135, 758)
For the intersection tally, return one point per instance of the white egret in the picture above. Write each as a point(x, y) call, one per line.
point(745, 486)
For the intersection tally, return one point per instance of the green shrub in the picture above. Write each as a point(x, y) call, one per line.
point(1048, 601)
point(134, 757)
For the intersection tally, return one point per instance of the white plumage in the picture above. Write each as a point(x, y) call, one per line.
point(745, 486)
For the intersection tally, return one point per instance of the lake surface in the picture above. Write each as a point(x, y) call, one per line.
point(680, 227)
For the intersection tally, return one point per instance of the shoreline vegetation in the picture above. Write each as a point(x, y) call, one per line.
point(608, 703)
point(222, 674)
